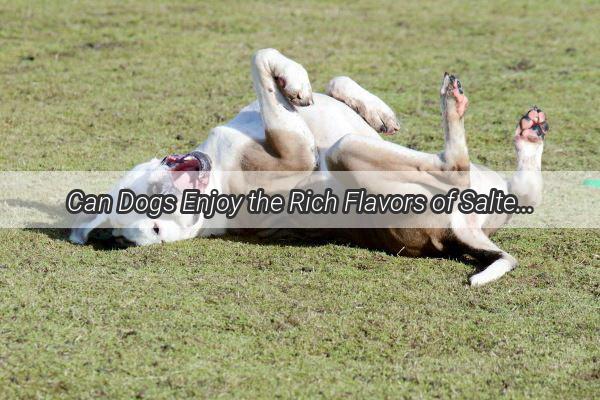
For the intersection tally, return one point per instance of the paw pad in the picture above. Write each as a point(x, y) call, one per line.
point(533, 126)
point(452, 89)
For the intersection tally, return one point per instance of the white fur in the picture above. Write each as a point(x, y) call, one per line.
point(323, 125)
point(495, 271)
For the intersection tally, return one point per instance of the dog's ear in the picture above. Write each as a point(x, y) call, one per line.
point(137, 180)
point(84, 225)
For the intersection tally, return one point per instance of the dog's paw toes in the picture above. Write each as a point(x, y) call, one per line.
point(452, 91)
point(382, 118)
point(533, 126)
point(370, 107)
point(294, 84)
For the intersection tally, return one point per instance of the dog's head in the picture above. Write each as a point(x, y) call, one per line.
point(171, 175)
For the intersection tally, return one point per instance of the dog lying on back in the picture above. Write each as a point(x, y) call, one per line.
point(290, 128)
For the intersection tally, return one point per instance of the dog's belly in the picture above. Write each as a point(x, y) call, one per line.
point(328, 120)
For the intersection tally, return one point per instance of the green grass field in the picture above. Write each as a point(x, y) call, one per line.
point(91, 85)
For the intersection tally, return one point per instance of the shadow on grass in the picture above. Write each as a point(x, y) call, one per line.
point(101, 239)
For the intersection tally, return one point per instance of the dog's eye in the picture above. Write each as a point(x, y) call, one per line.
point(156, 229)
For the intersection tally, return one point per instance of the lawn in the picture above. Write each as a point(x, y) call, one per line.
point(91, 85)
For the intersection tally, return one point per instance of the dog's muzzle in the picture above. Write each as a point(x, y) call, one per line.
point(194, 161)
point(189, 171)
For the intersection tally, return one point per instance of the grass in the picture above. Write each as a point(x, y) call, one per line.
point(89, 86)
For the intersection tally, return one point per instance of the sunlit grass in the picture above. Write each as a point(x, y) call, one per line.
point(88, 86)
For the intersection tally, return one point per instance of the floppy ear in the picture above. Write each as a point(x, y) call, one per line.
point(136, 179)
point(84, 225)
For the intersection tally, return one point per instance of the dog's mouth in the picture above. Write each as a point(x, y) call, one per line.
point(189, 171)
point(194, 161)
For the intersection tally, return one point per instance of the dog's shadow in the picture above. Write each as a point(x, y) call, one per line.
point(99, 239)
point(102, 239)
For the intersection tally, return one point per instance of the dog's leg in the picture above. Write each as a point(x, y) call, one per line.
point(526, 183)
point(474, 242)
point(358, 153)
point(454, 106)
point(370, 107)
point(281, 85)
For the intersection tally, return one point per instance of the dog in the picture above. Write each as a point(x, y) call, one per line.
point(290, 128)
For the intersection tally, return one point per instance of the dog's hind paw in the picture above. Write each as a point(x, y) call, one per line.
point(533, 126)
point(453, 95)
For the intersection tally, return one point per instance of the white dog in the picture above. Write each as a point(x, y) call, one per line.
point(291, 129)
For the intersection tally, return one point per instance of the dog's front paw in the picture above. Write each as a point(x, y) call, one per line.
point(380, 116)
point(292, 80)
point(373, 110)
point(290, 77)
